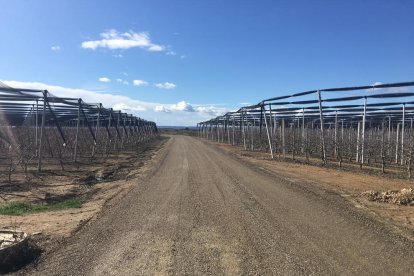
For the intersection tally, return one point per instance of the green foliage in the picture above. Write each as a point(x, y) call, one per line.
point(21, 208)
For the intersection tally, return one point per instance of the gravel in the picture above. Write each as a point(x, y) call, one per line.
point(202, 212)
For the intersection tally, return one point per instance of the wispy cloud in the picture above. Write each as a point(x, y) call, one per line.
point(370, 91)
point(55, 48)
point(166, 85)
point(122, 81)
point(104, 79)
point(112, 39)
point(139, 83)
point(156, 48)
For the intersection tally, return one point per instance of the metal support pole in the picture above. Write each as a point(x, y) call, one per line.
point(244, 133)
point(228, 129)
point(389, 136)
point(233, 129)
point(322, 128)
point(363, 131)
point(283, 138)
point(109, 129)
point(303, 130)
point(42, 132)
point(251, 134)
point(125, 132)
point(402, 134)
point(37, 126)
point(97, 129)
point(336, 135)
point(267, 131)
point(218, 131)
point(382, 146)
point(358, 142)
point(118, 136)
point(397, 144)
point(75, 154)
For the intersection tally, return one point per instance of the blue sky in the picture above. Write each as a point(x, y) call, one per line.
point(192, 60)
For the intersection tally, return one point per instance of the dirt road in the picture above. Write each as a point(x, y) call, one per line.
point(203, 212)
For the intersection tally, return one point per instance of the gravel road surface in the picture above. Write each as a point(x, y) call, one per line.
point(202, 212)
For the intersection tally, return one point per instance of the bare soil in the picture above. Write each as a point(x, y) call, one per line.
point(96, 184)
point(207, 211)
point(350, 183)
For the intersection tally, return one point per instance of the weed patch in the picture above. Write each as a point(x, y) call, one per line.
point(21, 208)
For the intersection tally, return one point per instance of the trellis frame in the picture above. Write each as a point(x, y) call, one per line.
point(64, 128)
point(306, 112)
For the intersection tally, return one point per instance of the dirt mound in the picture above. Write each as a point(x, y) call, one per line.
point(16, 250)
point(401, 197)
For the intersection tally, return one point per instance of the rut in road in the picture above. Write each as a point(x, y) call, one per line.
point(203, 212)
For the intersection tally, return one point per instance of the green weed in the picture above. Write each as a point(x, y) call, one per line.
point(21, 208)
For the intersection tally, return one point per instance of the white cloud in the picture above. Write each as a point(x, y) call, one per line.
point(171, 53)
point(118, 55)
point(166, 85)
point(140, 83)
point(161, 108)
point(104, 79)
point(107, 99)
point(113, 39)
point(176, 114)
point(156, 48)
point(129, 108)
point(180, 106)
point(55, 48)
point(211, 110)
point(184, 106)
point(122, 81)
point(387, 90)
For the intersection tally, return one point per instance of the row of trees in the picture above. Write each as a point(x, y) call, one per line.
point(37, 128)
point(377, 134)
